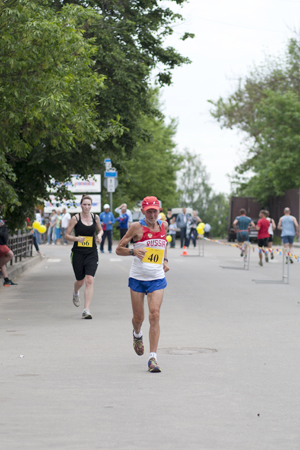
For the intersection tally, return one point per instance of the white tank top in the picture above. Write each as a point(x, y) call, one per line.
point(151, 268)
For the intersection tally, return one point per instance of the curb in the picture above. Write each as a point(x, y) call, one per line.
point(17, 269)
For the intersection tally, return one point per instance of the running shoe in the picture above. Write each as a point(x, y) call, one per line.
point(266, 257)
point(138, 345)
point(9, 283)
point(291, 261)
point(86, 314)
point(76, 299)
point(153, 366)
point(272, 255)
point(242, 252)
point(260, 263)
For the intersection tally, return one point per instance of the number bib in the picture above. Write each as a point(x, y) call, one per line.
point(88, 242)
point(153, 255)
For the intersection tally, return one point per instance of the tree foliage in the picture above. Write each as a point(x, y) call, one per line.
point(266, 107)
point(197, 193)
point(152, 167)
point(130, 37)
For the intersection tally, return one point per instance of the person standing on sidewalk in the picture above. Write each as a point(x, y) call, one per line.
point(263, 236)
point(118, 210)
point(64, 224)
point(107, 219)
point(52, 228)
point(147, 274)
point(58, 226)
point(123, 222)
point(172, 231)
point(181, 221)
point(84, 255)
point(6, 254)
point(289, 229)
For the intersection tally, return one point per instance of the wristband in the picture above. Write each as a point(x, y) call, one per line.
point(165, 259)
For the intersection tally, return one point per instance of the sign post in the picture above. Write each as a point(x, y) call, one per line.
point(111, 180)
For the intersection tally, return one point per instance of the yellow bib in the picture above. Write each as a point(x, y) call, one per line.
point(88, 242)
point(153, 255)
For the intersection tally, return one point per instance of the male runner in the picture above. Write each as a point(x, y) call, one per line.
point(147, 274)
point(263, 236)
point(243, 223)
point(289, 229)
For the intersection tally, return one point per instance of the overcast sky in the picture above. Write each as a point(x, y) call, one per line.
point(231, 36)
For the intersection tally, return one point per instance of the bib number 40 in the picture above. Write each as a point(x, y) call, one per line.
point(153, 255)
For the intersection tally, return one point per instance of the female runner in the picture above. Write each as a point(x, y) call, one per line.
point(84, 255)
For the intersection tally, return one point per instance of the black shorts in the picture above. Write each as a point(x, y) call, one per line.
point(270, 238)
point(263, 242)
point(84, 264)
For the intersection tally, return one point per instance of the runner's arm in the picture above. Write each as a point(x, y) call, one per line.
point(166, 265)
point(99, 229)
point(252, 224)
point(296, 225)
point(279, 224)
point(166, 225)
point(273, 224)
point(70, 228)
point(131, 233)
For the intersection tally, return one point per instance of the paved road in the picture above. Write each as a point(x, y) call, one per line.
point(229, 353)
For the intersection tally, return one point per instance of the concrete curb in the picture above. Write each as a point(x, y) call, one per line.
point(17, 269)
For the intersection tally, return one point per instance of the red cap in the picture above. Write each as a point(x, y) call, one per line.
point(150, 203)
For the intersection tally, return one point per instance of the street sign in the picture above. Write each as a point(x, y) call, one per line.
point(110, 183)
point(107, 163)
point(111, 174)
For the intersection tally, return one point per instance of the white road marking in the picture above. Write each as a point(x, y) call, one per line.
point(115, 260)
point(54, 260)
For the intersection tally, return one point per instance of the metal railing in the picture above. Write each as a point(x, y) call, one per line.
point(21, 246)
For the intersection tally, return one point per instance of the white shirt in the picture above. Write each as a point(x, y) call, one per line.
point(38, 217)
point(128, 212)
point(65, 220)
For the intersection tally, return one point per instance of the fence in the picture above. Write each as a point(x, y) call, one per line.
point(21, 246)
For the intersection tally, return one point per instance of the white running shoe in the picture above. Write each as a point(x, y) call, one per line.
point(86, 314)
point(76, 299)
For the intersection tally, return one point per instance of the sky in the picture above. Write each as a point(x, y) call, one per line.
point(231, 36)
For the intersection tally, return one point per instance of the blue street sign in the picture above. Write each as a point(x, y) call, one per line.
point(107, 160)
point(111, 174)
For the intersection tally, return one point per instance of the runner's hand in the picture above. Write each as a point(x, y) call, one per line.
point(166, 266)
point(81, 239)
point(140, 252)
point(98, 239)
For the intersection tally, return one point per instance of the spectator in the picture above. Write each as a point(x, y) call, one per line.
point(52, 229)
point(169, 216)
point(181, 221)
point(123, 223)
point(172, 231)
point(58, 225)
point(107, 220)
point(128, 212)
point(191, 229)
point(5, 254)
point(66, 217)
point(162, 215)
point(289, 229)
point(207, 229)
point(36, 234)
point(36, 243)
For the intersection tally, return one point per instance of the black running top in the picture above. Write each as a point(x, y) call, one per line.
point(88, 231)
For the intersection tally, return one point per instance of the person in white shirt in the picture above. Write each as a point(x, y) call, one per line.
point(128, 212)
point(64, 224)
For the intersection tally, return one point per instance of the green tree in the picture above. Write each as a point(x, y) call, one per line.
point(197, 193)
point(153, 164)
point(47, 101)
point(130, 36)
point(193, 183)
point(266, 107)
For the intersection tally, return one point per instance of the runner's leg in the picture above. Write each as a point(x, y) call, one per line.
point(89, 289)
point(137, 302)
point(77, 285)
point(155, 299)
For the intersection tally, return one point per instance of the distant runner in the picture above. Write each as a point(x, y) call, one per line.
point(263, 236)
point(241, 226)
point(147, 274)
point(271, 229)
point(84, 255)
point(289, 229)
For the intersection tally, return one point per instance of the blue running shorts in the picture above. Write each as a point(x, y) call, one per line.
point(147, 286)
point(287, 239)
